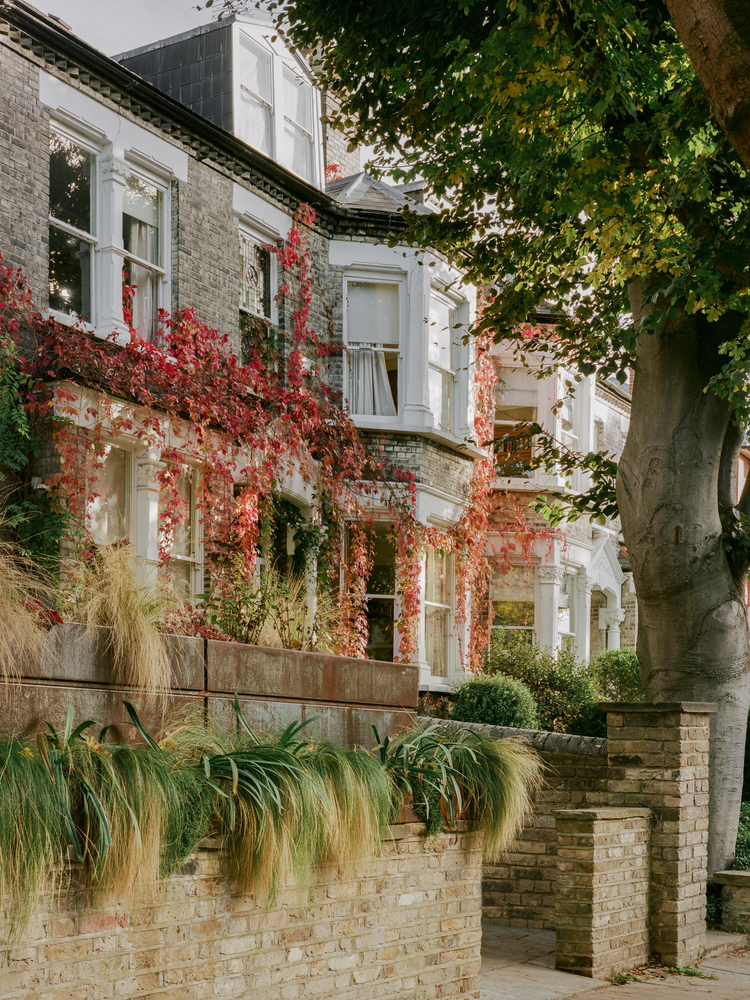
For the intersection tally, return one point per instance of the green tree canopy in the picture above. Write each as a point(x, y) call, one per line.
point(579, 164)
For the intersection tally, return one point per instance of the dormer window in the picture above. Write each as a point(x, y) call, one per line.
point(276, 106)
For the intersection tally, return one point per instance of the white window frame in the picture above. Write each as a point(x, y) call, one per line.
point(160, 270)
point(266, 38)
point(106, 238)
point(195, 559)
point(254, 235)
point(450, 646)
point(382, 277)
point(449, 374)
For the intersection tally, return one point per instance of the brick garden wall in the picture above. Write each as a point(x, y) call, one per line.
point(602, 906)
point(520, 890)
point(407, 923)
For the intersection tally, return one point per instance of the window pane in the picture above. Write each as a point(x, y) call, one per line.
point(297, 151)
point(69, 273)
point(381, 631)
point(442, 319)
point(255, 69)
point(513, 597)
point(373, 382)
point(438, 577)
point(255, 267)
point(372, 313)
point(140, 220)
point(436, 640)
point(440, 384)
point(108, 509)
point(183, 543)
point(70, 185)
point(140, 299)
point(254, 125)
point(382, 578)
point(297, 100)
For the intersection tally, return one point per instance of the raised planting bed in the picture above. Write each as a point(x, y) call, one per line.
point(276, 687)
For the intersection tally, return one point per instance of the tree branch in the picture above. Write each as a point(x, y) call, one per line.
point(716, 35)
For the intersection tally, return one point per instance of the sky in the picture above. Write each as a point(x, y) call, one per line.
point(119, 25)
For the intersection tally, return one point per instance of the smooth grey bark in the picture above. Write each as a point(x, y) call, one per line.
point(693, 638)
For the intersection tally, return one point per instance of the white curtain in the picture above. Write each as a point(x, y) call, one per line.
point(371, 393)
point(144, 300)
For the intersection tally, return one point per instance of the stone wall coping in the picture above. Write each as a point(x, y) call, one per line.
point(394, 831)
point(739, 879)
point(688, 707)
point(605, 812)
point(590, 746)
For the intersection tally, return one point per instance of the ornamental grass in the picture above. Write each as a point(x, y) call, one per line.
point(24, 593)
point(105, 590)
point(284, 806)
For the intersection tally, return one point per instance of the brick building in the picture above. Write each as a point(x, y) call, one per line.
point(179, 165)
point(576, 588)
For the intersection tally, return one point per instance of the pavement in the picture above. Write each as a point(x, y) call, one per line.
point(518, 963)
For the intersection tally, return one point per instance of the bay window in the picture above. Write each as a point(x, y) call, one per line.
point(142, 273)
point(71, 226)
point(442, 364)
point(438, 611)
point(373, 340)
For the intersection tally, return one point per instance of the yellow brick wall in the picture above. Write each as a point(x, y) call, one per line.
point(407, 923)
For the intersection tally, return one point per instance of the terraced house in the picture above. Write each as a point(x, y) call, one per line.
point(169, 180)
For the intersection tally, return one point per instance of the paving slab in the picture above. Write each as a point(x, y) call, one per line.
point(518, 964)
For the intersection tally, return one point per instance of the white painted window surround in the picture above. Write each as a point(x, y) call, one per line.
point(276, 107)
point(131, 171)
point(431, 384)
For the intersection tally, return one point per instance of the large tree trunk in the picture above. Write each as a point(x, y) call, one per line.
point(693, 641)
point(716, 34)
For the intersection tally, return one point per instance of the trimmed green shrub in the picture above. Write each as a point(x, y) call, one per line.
point(560, 684)
point(617, 675)
point(495, 701)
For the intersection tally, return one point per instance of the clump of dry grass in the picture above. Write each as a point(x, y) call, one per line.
point(105, 591)
point(24, 593)
point(285, 805)
point(292, 620)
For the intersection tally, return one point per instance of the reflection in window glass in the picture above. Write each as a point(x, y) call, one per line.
point(438, 603)
point(71, 227)
point(182, 549)
point(108, 508)
point(513, 597)
point(381, 596)
point(70, 185)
